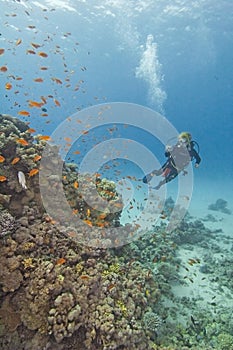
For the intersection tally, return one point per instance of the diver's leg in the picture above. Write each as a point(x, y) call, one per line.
point(155, 172)
point(173, 173)
point(161, 183)
point(149, 176)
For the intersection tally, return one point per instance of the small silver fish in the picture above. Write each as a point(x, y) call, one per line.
point(22, 179)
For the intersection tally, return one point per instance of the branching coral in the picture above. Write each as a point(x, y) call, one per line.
point(151, 321)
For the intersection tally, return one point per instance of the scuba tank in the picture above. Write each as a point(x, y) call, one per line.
point(179, 152)
point(173, 141)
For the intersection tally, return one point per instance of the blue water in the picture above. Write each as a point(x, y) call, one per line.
point(174, 57)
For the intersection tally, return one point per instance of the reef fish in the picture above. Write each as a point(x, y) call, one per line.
point(2, 178)
point(33, 172)
point(2, 159)
point(24, 113)
point(22, 179)
point(42, 54)
point(22, 142)
point(3, 69)
point(8, 86)
point(15, 160)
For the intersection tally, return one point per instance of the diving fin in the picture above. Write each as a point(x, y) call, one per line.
point(147, 178)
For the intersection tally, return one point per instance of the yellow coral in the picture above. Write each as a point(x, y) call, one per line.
point(79, 267)
point(27, 246)
point(113, 268)
point(60, 278)
point(28, 263)
point(122, 307)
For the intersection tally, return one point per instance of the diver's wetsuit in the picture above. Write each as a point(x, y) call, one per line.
point(178, 158)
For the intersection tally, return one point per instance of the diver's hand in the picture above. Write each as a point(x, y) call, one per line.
point(196, 165)
point(168, 148)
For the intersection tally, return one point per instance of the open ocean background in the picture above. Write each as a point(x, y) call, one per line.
point(57, 59)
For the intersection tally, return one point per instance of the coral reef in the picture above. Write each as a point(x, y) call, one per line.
point(56, 292)
point(7, 223)
point(151, 321)
point(225, 341)
point(220, 205)
point(90, 297)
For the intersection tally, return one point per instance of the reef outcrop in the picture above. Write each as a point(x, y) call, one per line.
point(57, 292)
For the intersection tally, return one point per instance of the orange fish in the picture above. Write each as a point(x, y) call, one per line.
point(42, 54)
point(25, 113)
point(101, 224)
point(76, 184)
point(102, 216)
point(33, 172)
point(36, 158)
point(31, 130)
point(43, 99)
point(84, 277)
point(193, 261)
point(68, 139)
point(88, 222)
point(58, 81)
point(18, 42)
point(45, 138)
point(2, 178)
point(3, 69)
point(2, 51)
point(38, 80)
point(43, 68)
point(118, 205)
point(111, 285)
point(60, 261)
point(8, 86)
point(22, 142)
point(31, 52)
point(88, 212)
point(2, 159)
point(163, 216)
point(76, 152)
point(36, 46)
point(18, 78)
point(35, 104)
point(57, 103)
point(15, 160)
point(44, 115)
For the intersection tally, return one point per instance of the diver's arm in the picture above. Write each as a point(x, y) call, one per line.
point(196, 156)
point(168, 150)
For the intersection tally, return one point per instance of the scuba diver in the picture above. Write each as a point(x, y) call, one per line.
point(179, 156)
